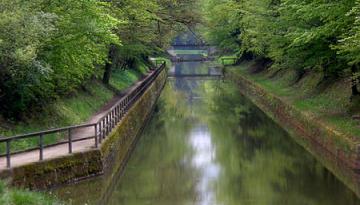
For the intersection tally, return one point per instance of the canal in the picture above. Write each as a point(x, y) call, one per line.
point(208, 145)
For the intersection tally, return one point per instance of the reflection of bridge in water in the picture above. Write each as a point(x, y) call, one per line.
point(193, 69)
point(188, 76)
point(197, 72)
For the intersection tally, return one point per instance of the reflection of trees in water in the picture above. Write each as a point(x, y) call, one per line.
point(260, 161)
point(187, 87)
point(155, 171)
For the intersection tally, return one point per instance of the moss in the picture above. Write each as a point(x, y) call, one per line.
point(62, 170)
point(119, 143)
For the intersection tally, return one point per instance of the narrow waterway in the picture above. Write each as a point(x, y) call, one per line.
point(208, 145)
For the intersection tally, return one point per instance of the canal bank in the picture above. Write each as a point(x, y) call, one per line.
point(338, 151)
point(207, 144)
point(115, 135)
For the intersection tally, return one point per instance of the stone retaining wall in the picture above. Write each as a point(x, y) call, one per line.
point(340, 153)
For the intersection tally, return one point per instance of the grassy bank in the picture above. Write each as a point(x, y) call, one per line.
point(327, 102)
point(74, 109)
point(22, 197)
point(123, 79)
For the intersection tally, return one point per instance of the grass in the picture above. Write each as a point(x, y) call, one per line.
point(23, 197)
point(74, 109)
point(328, 104)
point(122, 79)
point(70, 110)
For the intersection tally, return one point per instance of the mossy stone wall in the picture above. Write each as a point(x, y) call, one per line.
point(117, 146)
point(340, 153)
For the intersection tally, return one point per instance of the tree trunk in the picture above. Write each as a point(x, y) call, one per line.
point(354, 89)
point(160, 37)
point(108, 65)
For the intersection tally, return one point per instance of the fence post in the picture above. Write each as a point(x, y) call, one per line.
point(96, 135)
point(70, 141)
point(121, 109)
point(8, 163)
point(113, 119)
point(117, 115)
point(41, 144)
point(102, 130)
point(107, 125)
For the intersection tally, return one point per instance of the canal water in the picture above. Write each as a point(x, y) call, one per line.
point(208, 145)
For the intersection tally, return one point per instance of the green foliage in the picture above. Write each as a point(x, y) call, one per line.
point(76, 108)
point(122, 79)
point(295, 34)
point(149, 27)
point(349, 46)
point(23, 75)
point(49, 49)
point(84, 31)
point(222, 20)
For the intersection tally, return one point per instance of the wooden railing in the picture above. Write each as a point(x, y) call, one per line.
point(100, 129)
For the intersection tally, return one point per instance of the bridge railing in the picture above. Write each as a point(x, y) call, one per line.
point(159, 62)
point(190, 45)
point(228, 60)
point(97, 131)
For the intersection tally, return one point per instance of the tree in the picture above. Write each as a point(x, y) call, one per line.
point(222, 24)
point(303, 35)
point(147, 28)
point(49, 49)
point(349, 47)
point(24, 76)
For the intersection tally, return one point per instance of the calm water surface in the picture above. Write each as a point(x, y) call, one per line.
point(208, 145)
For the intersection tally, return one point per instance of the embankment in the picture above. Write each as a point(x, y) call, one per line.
point(339, 152)
point(112, 153)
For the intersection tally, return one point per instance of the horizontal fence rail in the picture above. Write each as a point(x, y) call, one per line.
point(233, 60)
point(98, 131)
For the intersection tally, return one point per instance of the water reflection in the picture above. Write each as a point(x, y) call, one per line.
point(203, 159)
point(208, 145)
